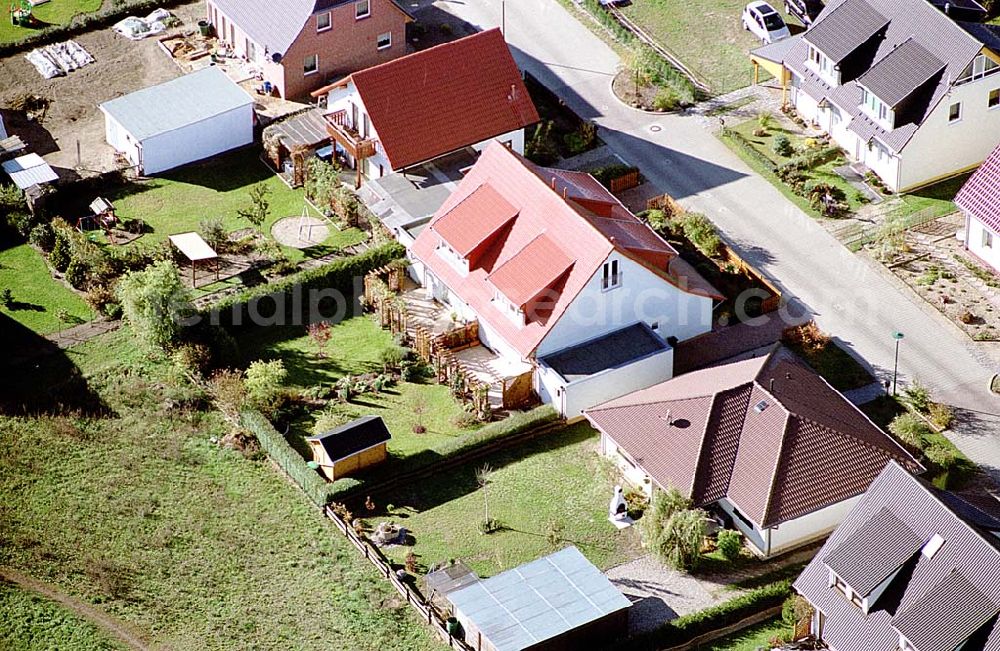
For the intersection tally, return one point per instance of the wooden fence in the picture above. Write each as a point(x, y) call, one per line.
point(519, 391)
point(665, 203)
point(624, 182)
point(730, 257)
point(425, 609)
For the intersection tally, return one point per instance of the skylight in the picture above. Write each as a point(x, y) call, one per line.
point(932, 546)
point(761, 406)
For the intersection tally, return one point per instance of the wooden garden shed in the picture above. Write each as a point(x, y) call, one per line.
point(349, 448)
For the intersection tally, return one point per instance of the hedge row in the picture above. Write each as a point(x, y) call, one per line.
point(686, 628)
point(516, 423)
point(283, 454)
point(750, 150)
point(83, 23)
point(289, 297)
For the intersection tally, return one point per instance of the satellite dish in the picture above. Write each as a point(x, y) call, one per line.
point(276, 57)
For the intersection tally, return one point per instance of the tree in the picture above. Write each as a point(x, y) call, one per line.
point(320, 333)
point(264, 383)
point(259, 207)
point(419, 408)
point(484, 476)
point(673, 530)
point(322, 182)
point(154, 301)
point(663, 505)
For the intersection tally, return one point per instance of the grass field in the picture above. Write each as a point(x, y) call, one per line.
point(31, 623)
point(707, 37)
point(216, 189)
point(57, 12)
point(191, 543)
point(38, 296)
point(355, 348)
point(558, 480)
point(754, 638)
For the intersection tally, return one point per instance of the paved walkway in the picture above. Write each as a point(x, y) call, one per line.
point(847, 295)
point(81, 333)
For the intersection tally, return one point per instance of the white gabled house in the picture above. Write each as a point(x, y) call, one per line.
point(562, 279)
point(908, 91)
point(979, 200)
point(417, 108)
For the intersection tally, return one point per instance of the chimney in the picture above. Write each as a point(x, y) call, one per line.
point(553, 183)
point(565, 193)
point(770, 386)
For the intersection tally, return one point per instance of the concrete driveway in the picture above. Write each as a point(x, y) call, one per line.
point(848, 296)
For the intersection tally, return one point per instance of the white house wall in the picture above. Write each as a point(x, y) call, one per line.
point(974, 238)
point(574, 397)
point(633, 474)
point(642, 296)
point(197, 141)
point(939, 148)
point(810, 527)
point(116, 136)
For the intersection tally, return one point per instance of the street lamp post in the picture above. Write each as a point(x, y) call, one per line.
point(898, 336)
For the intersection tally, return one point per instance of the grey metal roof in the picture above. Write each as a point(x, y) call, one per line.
point(842, 30)
point(273, 25)
point(967, 549)
point(901, 72)
point(854, 562)
point(177, 103)
point(609, 351)
point(28, 170)
point(538, 601)
point(947, 615)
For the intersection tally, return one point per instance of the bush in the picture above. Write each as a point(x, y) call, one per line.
point(77, 273)
point(666, 100)
point(750, 150)
point(941, 455)
point(154, 302)
point(701, 231)
point(910, 429)
point(283, 454)
point(339, 275)
point(60, 255)
point(604, 175)
point(214, 234)
point(730, 543)
point(941, 415)
point(917, 396)
point(43, 237)
point(265, 382)
point(782, 146)
point(795, 609)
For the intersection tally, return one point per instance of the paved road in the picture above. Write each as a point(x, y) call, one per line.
point(848, 296)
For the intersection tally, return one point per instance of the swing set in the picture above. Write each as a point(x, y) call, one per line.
point(20, 13)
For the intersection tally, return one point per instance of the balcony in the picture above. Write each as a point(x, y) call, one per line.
point(339, 126)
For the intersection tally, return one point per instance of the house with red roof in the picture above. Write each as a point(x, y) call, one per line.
point(979, 200)
point(299, 45)
point(420, 107)
point(766, 443)
point(561, 278)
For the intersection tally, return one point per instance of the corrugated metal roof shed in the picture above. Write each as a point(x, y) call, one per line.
point(28, 170)
point(193, 98)
point(539, 600)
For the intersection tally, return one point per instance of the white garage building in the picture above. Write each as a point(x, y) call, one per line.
point(187, 119)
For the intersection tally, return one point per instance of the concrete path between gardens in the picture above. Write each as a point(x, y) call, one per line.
point(849, 297)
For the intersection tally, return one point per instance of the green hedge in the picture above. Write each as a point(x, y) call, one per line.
point(83, 23)
point(748, 147)
point(341, 275)
point(514, 424)
point(283, 454)
point(686, 628)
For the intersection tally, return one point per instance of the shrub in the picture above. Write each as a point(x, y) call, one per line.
point(264, 383)
point(701, 231)
point(941, 415)
point(782, 146)
point(192, 358)
point(910, 430)
point(666, 100)
point(941, 455)
point(604, 175)
point(60, 255)
point(917, 396)
point(76, 273)
point(795, 609)
point(43, 237)
point(730, 543)
point(154, 301)
point(214, 234)
point(283, 454)
point(393, 356)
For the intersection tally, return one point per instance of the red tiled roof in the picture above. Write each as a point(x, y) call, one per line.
point(514, 259)
point(767, 433)
point(532, 269)
point(980, 196)
point(476, 218)
point(444, 98)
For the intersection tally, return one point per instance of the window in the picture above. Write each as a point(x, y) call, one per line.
point(384, 40)
point(980, 67)
point(846, 590)
point(323, 22)
point(987, 239)
point(311, 64)
point(994, 98)
point(362, 9)
point(955, 112)
point(612, 277)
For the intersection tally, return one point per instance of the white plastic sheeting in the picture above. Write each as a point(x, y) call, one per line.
point(58, 59)
point(136, 29)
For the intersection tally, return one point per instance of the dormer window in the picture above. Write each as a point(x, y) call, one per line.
point(876, 109)
point(823, 66)
point(451, 256)
point(515, 313)
point(841, 586)
point(611, 276)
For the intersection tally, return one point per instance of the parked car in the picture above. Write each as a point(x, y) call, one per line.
point(805, 10)
point(761, 20)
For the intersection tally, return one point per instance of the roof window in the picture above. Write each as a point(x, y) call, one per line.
point(932, 546)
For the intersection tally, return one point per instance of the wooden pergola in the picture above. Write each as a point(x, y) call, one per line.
point(196, 250)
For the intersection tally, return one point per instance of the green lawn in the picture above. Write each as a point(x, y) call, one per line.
point(216, 189)
point(937, 198)
point(193, 544)
point(31, 623)
point(38, 296)
point(707, 37)
point(355, 348)
point(558, 480)
point(56, 12)
point(754, 638)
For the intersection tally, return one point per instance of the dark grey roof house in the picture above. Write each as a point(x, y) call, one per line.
point(912, 568)
point(904, 87)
